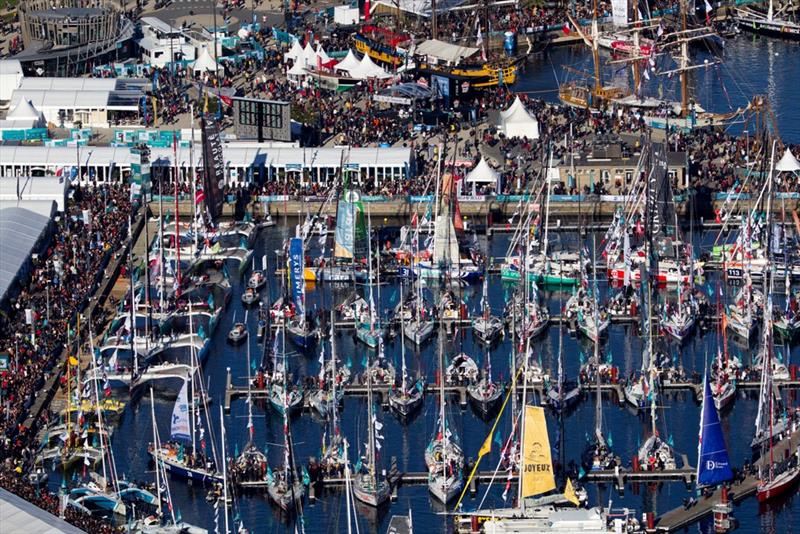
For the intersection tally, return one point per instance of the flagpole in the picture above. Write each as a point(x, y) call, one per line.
point(487, 444)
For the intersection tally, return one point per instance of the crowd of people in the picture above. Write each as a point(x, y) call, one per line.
point(40, 321)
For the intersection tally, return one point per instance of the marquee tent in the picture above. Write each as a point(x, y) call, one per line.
point(516, 121)
point(205, 63)
point(788, 163)
point(348, 63)
point(368, 69)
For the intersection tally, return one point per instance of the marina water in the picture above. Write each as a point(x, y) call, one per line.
point(679, 417)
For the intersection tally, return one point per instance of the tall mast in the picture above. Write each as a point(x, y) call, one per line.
point(598, 408)
point(333, 373)
point(156, 447)
point(370, 435)
point(224, 469)
point(402, 341)
point(177, 214)
point(192, 372)
point(193, 174)
point(598, 83)
point(684, 64)
point(636, 47)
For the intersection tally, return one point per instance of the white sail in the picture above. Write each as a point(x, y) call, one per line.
point(445, 241)
point(180, 415)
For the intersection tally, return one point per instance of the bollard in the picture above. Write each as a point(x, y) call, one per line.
point(651, 520)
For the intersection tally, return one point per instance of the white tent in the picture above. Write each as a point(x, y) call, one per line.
point(323, 57)
point(788, 163)
point(309, 56)
point(24, 110)
point(482, 174)
point(10, 77)
point(295, 53)
point(368, 69)
point(516, 121)
point(297, 73)
point(205, 63)
point(349, 63)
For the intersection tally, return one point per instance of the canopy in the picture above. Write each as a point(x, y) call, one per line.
point(24, 110)
point(295, 53)
point(309, 56)
point(368, 69)
point(322, 55)
point(297, 70)
point(420, 7)
point(788, 163)
point(21, 229)
point(444, 51)
point(205, 63)
point(483, 174)
point(349, 63)
point(516, 121)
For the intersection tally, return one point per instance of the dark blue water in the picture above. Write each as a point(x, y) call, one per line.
point(679, 418)
point(751, 66)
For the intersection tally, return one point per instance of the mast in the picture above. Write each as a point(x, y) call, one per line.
point(598, 408)
point(370, 436)
point(435, 26)
point(684, 64)
point(135, 370)
point(334, 376)
point(177, 214)
point(402, 341)
point(224, 469)
point(156, 447)
point(636, 47)
point(443, 424)
point(598, 83)
point(193, 370)
point(546, 212)
point(193, 172)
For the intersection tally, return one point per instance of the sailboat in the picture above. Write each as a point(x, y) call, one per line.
point(160, 522)
point(725, 368)
point(420, 328)
point(564, 393)
point(485, 393)
point(327, 398)
point(770, 24)
point(776, 477)
point(369, 486)
point(283, 485)
point(679, 320)
point(547, 266)
point(443, 455)
point(284, 396)
point(445, 262)
point(713, 464)
point(371, 332)
point(487, 327)
point(251, 465)
point(406, 398)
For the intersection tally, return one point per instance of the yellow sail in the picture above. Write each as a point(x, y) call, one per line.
point(537, 464)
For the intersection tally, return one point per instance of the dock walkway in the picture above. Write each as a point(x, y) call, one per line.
point(681, 517)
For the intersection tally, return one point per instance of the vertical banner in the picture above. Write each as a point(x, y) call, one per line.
point(296, 270)
point(537, 464)
point(213, 169)
point(619, 12)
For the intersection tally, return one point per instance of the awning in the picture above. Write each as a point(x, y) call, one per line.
point(444, 51)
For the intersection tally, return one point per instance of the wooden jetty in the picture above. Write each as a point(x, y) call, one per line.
point(681, 517)
point(382, 391)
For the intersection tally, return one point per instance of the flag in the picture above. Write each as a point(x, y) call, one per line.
point(566, 29)
point(569, 493)
point(708, 12)
point(486, 448)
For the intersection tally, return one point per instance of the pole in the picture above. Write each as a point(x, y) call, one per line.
point(193, 172)
point(224, 469)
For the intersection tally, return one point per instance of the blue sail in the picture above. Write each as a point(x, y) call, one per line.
point(296, 271)
point(713, 464)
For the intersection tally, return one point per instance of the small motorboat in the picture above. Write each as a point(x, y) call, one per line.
point(237, 334)
point(250, 296)
point(257, 279)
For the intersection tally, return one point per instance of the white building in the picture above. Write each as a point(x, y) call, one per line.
point(94, 102)
point(162, 43)
point(10, 76)
point(243, 162)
